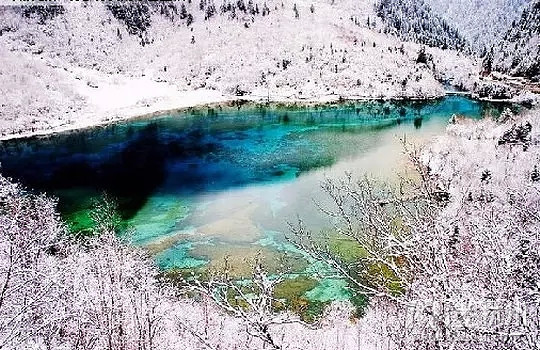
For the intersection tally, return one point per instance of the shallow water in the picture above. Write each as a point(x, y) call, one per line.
point(201, 186)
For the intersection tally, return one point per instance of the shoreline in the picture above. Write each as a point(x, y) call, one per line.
point(209, 99)
point(204, 99)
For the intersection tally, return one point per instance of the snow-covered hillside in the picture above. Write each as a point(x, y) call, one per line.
point(78, 65)
point(414, 20)
point(483, 23)
point(518, 53)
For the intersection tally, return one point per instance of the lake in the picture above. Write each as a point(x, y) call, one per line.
point(203, 185)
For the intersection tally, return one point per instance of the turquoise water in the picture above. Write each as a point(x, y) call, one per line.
point(201, 186)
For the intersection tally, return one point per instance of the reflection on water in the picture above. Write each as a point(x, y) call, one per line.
point(198, 187)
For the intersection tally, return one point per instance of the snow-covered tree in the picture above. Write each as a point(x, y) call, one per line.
point(518, 52)
point(451, 259)
point(415, 21)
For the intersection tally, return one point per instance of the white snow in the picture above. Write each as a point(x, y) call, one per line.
point(483, 23)
point(83, 68)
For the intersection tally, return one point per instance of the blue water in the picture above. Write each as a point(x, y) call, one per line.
point(202, 185)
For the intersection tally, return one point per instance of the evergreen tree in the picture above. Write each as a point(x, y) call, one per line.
point(183, 12)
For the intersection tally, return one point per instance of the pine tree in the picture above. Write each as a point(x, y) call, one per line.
point(183, 11)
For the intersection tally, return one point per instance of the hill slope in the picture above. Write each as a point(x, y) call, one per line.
point(518, 53)
point(482, 23)
point(413, 20)
point(109, 61)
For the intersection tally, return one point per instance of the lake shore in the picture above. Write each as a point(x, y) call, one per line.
point(110, 102)
point(184, 101)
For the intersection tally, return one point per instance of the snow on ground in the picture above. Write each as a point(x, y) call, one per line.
point(83, 68)
point(483, 23)
point(65, 100)
point(455, 68)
